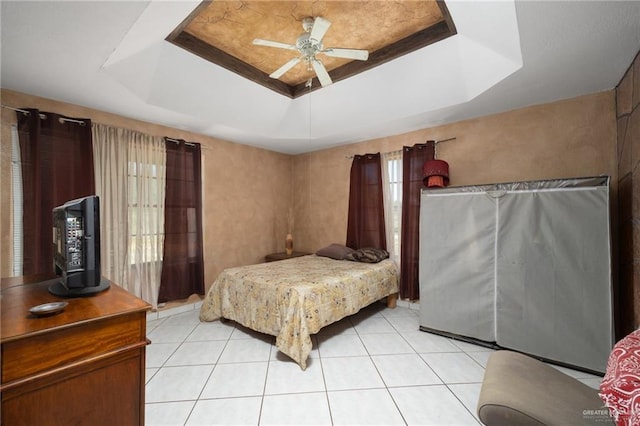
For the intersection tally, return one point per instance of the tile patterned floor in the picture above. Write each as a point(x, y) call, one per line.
point(373, 368)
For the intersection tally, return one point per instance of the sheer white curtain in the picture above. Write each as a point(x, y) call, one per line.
point(130, 181)
point(392, 194)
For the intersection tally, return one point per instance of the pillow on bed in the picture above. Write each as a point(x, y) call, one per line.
point(368, 255)
point(335, 251)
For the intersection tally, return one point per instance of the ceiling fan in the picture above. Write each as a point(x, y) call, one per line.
point(309, 44)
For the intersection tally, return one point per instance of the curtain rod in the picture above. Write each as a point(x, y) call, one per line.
point(82, 123)
point(24, 111)
point(43, 116)
point(444, 140)
point(177, 141)
point(349, 157)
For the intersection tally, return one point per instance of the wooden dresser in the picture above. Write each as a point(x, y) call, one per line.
point(82, 366)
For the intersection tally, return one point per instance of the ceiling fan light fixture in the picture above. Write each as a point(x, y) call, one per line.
point(309, 44)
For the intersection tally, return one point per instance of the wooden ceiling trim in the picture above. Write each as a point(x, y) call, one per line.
point(181, 38)
point(416, 41)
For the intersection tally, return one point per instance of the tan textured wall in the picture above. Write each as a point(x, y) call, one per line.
point(628, 120)
point(247, 191)
point(570, 138)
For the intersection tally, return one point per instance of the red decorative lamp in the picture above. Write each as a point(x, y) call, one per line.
point(436, 173)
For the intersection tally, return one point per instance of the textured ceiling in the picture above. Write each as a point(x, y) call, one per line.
point(223, 33)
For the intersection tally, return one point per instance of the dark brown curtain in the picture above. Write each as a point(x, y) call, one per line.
point(57, 166)
point(182, 263)
point(412, 160)
point(365, 226)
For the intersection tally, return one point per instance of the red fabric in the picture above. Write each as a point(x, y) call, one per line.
point(365, 223)
point(620, 387)
point(433, 168)
point(182, 262)
point(413, 159)
point(57, 166)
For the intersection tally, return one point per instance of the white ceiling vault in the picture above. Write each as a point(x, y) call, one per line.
point(112, 56)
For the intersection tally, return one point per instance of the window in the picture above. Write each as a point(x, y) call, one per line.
point(392, 190)
point(16, 191)
point(145, 213)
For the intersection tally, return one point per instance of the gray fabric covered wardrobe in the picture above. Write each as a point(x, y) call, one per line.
point(525, 266)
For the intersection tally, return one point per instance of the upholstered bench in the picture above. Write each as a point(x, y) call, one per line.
point(520, 390)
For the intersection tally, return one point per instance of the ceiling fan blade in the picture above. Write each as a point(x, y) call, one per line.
point(361, 55)
point(320, 27)
point(261, 42)
point(321, 72)
point(286, 67)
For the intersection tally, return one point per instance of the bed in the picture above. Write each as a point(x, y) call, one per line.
point(294, 298)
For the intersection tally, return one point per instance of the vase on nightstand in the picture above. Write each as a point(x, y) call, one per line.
point(289, 244)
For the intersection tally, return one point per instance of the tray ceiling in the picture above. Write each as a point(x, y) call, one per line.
point(113, 56)
point(222, 32)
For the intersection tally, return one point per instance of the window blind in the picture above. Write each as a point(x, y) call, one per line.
point(16, 191)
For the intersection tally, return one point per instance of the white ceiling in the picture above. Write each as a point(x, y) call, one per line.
point(112, 56)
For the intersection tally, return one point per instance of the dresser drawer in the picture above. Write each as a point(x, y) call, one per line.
point(41, 352)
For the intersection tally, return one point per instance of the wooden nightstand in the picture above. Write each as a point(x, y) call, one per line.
point(282, 256)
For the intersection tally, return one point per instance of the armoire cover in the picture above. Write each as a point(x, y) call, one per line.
point(524, 265)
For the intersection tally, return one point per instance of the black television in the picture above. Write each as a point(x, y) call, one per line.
point(76, 248)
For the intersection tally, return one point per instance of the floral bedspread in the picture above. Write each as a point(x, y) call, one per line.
point(294, 298)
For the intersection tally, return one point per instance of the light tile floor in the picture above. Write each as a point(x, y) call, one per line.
point(373, 368)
